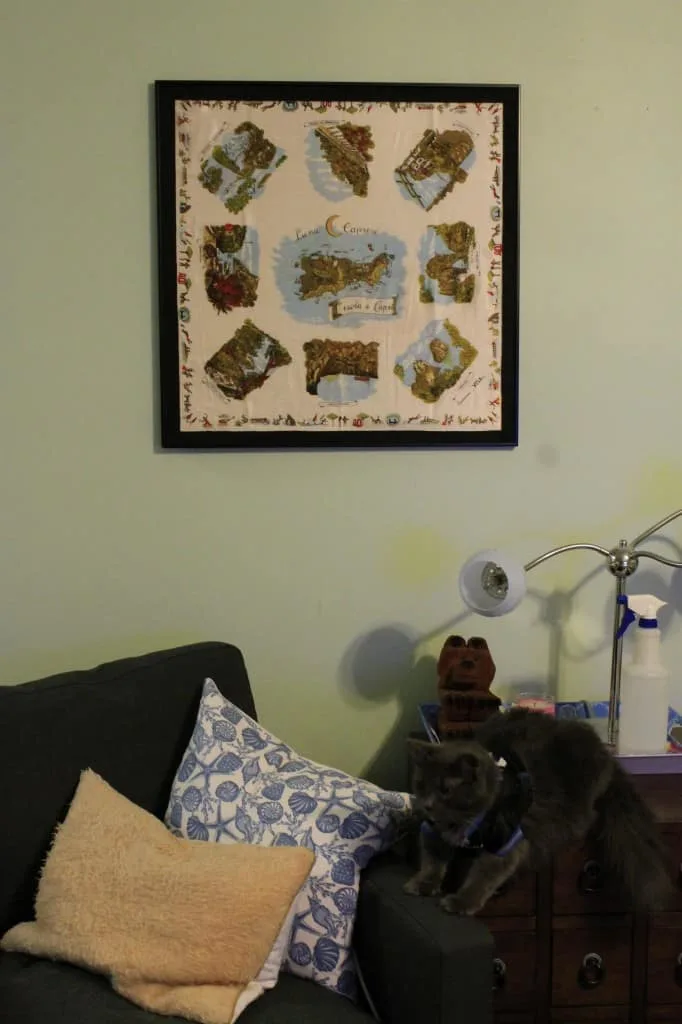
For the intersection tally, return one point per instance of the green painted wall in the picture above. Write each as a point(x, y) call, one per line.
point(335, 573)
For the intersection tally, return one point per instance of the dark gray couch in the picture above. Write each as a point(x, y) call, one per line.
point(130, 721)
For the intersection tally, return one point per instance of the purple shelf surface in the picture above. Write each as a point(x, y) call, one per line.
point(651, 764)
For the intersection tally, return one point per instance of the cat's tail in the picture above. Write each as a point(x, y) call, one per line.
point(632, 843)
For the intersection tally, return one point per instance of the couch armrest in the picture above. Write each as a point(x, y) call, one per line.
point(420, 965)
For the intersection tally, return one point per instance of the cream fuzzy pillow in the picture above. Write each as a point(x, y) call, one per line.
point(181, 927)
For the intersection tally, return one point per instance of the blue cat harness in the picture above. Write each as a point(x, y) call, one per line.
point(496, 831)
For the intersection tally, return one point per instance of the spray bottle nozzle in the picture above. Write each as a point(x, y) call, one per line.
point(644, 605)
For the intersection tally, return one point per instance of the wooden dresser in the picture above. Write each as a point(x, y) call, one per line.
point(569, 948)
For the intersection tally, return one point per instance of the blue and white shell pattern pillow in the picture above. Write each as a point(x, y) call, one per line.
point(238, 783)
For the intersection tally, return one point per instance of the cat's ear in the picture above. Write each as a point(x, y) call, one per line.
point(422, 752)
point(467, 767)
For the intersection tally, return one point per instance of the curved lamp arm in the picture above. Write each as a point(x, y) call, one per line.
point(566, 547)
point(657, 558)
point(656, 527)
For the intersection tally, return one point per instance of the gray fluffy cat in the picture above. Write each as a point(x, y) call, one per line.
point(560, 784)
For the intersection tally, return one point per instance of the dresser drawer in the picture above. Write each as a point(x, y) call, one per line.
point(584, 885)
point(517, 899)
point(664, 975)
point(591, 961)
point(514, 964)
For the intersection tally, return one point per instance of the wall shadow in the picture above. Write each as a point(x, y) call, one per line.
point(385, 666)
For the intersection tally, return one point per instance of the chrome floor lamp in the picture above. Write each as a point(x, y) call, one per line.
point(493, 583)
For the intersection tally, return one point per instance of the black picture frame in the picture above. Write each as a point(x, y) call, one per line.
point(174, 432)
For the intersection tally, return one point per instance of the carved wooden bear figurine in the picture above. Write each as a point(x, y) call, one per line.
point(465, 672)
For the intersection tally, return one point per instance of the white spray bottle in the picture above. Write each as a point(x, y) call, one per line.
point(643, 723)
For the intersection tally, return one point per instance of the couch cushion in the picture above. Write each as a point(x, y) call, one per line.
point(296, 1001)
point(129, 720)
point(41, 992)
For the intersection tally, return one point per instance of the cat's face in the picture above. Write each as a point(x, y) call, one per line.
point(453, 783)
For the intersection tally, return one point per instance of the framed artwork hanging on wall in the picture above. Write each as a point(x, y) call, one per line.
point(338, 264)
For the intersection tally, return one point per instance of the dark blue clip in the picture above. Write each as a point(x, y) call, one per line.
point(628, 616)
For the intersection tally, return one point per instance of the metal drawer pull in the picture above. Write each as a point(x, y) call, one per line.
point(678, 970)
point(592, 971)
point(499, 974)
point(591, 878)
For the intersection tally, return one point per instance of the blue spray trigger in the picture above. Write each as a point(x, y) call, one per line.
point(628, 616)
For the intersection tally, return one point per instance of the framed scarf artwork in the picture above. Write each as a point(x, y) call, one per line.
point(338, 264)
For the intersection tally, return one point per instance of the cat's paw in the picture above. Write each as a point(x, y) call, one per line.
point(453, 903)
point(417, 886)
